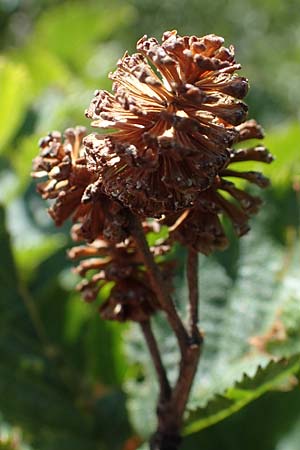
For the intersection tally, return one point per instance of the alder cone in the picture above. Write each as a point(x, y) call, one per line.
point(74, 190)
point(101, 262)
point(170, 125)
point(200, 227)
point(62, 163)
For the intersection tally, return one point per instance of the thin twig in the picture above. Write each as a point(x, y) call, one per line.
point(171, 409)
point(188, 368)
point(165, 389)
point(192, 278)
point(157, 283)
point(189, 361)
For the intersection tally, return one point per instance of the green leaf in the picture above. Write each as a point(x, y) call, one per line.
point(232, 311)
point(23, 391)
point(11, 438)
point(290, 441)
point(247, 308)
point(283, 336)
point(57, 402)
point(258, 292)
point(141, 385)
point(70, 31)
point(15, 94)
point(29, 258)
point(11, 304)
point(45, 68)
point(107, 363)
point(242, 393)
point(283, 143)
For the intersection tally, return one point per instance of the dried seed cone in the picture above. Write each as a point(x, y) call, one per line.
point(131, 297)
point(75, 190)
point(169, 128)
point(62, 162)
point(200, 227)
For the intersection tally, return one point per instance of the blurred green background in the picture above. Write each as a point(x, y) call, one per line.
point(71, 382)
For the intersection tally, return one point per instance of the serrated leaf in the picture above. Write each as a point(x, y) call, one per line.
point(282, 338)
point(252, 304)
point(248, 306)
point(23, 387)
point(56, 402)
point(243, 392)
point(231, 312)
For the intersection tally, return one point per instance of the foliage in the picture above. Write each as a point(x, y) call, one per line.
point(235, 367)
point(67, 379)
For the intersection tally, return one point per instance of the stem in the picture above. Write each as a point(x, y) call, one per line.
point(192, 278)
point(165, 389)
point(165, 441)
point(189, 361)
point(157, 283)
point(172, 402)
point(188, 369)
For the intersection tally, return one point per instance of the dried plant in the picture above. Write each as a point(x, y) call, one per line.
point(167, 155)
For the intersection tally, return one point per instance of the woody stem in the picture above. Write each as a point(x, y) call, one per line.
point(165, 389)
point(173, 401)
point(189, 361)
point(157, 283)
point(192, 279)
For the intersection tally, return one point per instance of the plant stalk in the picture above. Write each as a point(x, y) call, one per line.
point(157, 283)
point(172, 401)
point(192, 279)
point(189, 361)
point(165, 388)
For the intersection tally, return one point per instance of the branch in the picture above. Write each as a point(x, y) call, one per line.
point(157, 283)
point(172, 402)
point(182, 389)
point(192, 278)
point(165, 389)
point(189, 361)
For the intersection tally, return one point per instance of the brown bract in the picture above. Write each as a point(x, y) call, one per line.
point(62, 162)
point(74, 189)
point(131, 297)
point(169, 125)
point(200, 227)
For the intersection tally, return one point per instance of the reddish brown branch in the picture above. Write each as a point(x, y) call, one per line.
point(172, 402)
point(189, 361)
point(192, 279)
point(165, 389)
point(188, 368)
point(157, 283)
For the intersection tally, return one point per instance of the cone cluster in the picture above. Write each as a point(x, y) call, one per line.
point(168, 141)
